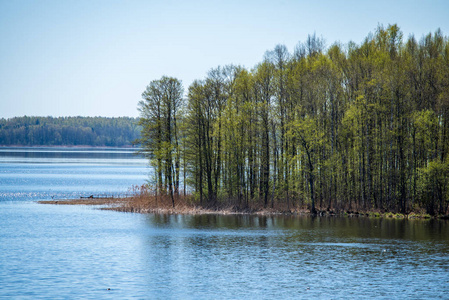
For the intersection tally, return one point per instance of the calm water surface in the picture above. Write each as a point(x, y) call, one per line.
point(62, 252)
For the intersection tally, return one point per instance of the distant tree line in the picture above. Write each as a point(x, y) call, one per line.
point(356, 127)
point(69, 131)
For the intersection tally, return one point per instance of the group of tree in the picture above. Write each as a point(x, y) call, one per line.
point(69, 131)
point(355, 127)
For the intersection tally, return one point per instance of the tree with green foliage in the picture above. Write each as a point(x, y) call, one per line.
point(160, 112)
point(360, 127)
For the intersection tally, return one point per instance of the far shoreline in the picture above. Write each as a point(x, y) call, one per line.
point(69, 146)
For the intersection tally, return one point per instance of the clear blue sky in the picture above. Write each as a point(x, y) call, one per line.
point(95, 57)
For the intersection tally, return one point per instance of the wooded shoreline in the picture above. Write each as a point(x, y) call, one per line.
point(145, 205)
point(35, 131)
point(340, 128)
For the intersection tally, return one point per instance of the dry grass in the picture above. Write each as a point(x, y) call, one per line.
point(144, 201)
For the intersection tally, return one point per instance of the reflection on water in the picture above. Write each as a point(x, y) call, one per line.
point(68, 252)
point(278, 257)
point(76, 252)
point(360, 228)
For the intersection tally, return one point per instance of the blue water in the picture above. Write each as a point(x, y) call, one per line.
point(28, 174)
point(78, 252)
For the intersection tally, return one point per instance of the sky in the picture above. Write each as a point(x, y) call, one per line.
point(96, 57)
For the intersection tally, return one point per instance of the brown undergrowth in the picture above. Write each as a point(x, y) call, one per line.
point(142, 200)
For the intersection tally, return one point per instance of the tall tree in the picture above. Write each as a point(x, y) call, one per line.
point(160, 140)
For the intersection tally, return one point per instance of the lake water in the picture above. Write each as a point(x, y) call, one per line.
point(65, 252)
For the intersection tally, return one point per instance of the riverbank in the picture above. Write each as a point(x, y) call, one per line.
point(152, 205)
point(143, 206)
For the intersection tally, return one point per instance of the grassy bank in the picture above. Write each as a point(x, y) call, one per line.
point(145, 203)
point(162, 205)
